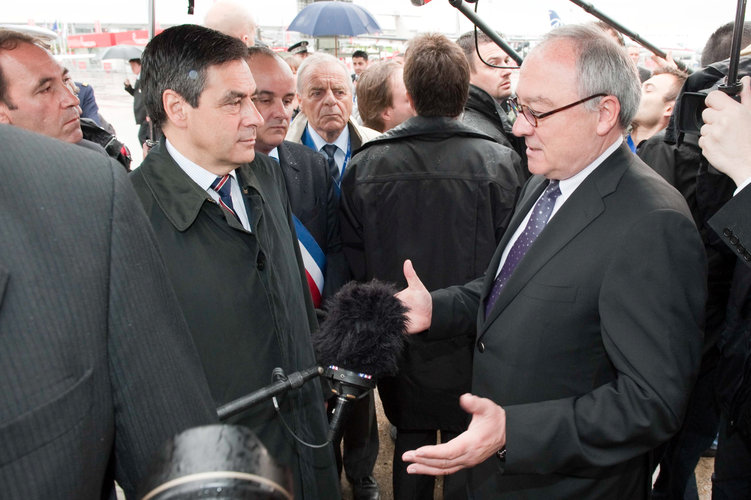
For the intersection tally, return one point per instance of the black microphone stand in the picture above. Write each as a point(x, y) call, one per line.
point(282, 385)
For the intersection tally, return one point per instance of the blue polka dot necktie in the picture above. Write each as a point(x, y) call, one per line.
point(537, 222)
point(223, 186)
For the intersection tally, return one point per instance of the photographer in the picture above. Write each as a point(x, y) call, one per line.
point(725, 143)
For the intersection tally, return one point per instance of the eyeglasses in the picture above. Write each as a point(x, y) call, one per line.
point(532, 117)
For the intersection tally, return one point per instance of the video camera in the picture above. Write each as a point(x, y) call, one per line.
point(691, 104)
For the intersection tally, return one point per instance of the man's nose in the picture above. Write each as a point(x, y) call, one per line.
point(522, 127)
point(252, 117)
point(329, 98)
point(68, 98)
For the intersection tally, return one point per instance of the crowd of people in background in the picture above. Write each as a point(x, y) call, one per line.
point(576, 265)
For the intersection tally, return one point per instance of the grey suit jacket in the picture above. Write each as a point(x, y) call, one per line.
point(594, 343)
point(97, 368)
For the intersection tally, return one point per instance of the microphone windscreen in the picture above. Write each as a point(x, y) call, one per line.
point(363, 330)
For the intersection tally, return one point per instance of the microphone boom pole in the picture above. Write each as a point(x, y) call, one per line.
point(292, 381)
point(472, 16)
point(590, 9)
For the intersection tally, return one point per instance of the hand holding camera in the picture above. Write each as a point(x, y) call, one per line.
point(726, 134)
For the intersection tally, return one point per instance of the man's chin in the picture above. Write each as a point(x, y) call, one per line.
point(74, 137)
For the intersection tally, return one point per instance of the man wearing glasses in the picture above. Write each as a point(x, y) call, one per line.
point(588, 318)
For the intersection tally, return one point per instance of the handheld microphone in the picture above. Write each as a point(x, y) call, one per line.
point(359, 342)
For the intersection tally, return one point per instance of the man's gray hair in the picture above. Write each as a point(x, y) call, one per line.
point(320, 59)
point(602, 67)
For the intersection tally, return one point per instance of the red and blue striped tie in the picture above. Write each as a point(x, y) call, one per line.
point(223, 186)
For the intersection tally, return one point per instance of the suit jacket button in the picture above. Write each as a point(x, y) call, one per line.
point(727, 232)
point(733, 240)
point(747, 257)
point(481, 347)
point(261, 261)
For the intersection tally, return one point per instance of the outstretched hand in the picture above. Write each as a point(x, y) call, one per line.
point(726, 135)
point(484, 437)
point(417, 300)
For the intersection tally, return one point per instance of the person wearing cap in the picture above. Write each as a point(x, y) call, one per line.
point(299, 49)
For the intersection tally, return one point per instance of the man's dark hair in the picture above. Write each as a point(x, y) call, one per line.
point(680, 79)
point(436, 74)
point(135, 60)
point(360, 53)
point(719, 44)
point(467, 44)
point(178, 59)
point(374, 93)
point(9, 40)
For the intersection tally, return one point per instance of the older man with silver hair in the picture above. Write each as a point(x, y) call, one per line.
point(588, 319)
point(324, 89)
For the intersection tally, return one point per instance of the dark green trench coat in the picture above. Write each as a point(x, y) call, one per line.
point(246, 301)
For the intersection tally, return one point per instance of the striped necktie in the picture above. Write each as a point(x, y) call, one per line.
point(329, 150)
point(223, 187)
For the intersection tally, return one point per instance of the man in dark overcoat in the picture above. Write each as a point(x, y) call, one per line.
point(436, 190)
point(224, 225)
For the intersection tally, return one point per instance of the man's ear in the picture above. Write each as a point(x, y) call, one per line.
point(610, 108)
point(669, 107)
point(175, 107)
point(411, 102)
point(5, 114)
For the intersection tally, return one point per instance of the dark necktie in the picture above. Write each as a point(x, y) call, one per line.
point(537, 222)
point(223, 186)
point(329, 150)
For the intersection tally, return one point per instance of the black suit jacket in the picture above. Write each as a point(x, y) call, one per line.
point(311, 196)
point(97, 368)
point(594, 343)
point(733, 226)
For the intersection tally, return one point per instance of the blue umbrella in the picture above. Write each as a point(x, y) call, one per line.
point(334, 18)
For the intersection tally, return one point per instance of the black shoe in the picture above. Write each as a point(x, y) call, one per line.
point(365, 488)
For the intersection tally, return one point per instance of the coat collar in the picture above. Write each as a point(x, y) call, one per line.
point(434, 126)
point(581, 209)
point(483, 103)
point(177, 195)
point(287, 156)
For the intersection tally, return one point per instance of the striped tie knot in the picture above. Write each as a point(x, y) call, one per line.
point(223, 186)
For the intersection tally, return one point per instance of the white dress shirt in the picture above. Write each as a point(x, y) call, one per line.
point(204, 178)
point(567, 187)
point(341, 143)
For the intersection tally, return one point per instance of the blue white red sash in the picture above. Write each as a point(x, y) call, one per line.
point(314, 260)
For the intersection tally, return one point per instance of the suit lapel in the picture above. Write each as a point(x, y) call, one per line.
point(583, 207)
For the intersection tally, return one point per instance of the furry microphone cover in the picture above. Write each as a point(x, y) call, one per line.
point(363, 330)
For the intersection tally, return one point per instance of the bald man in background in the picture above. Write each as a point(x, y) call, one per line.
point(233, 19)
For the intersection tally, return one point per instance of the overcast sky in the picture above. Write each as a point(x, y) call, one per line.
point(666, 23)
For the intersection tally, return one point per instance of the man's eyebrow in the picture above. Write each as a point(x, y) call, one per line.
point(44, 81)
point(265, 93)
point(232, 95)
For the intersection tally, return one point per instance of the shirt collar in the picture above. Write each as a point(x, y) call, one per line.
point(197, 173)
point(568, 186)
point(274, 153)
point(342, 142)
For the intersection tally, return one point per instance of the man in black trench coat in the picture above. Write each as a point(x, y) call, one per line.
point(223, 222)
